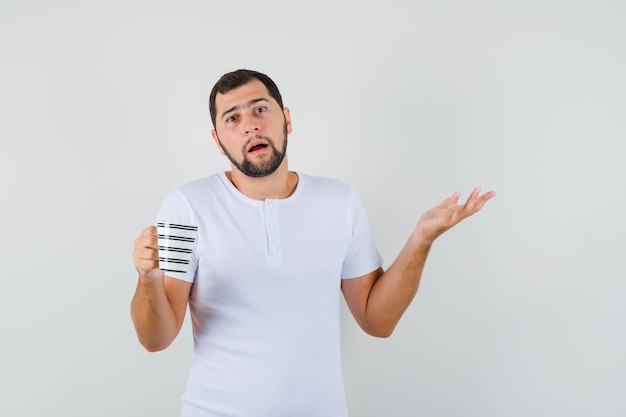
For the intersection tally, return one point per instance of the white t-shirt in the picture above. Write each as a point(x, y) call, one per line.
point(265, 301)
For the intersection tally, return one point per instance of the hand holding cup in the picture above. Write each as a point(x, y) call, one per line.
point(146, 255)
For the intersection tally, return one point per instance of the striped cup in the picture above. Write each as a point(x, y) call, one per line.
point(175, 245)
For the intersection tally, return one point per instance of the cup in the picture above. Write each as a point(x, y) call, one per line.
point(176, 243)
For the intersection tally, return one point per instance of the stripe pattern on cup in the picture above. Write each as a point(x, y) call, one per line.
point(175, 243)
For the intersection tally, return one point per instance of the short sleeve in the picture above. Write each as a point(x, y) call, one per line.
point(362, 256)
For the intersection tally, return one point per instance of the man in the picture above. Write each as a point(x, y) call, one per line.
point(275, 250)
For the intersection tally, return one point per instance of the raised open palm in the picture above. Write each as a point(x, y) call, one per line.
point(449, 213)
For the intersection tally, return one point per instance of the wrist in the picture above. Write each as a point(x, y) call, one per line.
point(154, 277)
point(420, 240)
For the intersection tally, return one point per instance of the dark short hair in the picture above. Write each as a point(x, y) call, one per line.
point(234, 79)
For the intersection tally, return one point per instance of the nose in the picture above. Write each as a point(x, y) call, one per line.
point(250, 125)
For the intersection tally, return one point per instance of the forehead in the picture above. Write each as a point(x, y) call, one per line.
point(241, 95)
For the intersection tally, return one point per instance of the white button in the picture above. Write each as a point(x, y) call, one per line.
point(275, 247)
point(271, 226)
point(269, 206)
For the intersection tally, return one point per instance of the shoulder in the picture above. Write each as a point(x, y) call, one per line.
point(200, 184)
point(212, 186)
point(197, 191)
point(317, 183)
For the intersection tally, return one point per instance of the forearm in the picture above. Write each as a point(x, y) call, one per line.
point(153, 315)
point(393, 291)
point(378, 300)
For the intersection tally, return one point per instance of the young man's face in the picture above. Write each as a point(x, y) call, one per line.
point(251, 129)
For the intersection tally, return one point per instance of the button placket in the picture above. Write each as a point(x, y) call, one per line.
point(271, 230)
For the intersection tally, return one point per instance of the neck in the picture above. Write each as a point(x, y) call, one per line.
point(280, 184)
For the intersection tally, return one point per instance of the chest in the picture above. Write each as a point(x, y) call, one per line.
point(247, 253)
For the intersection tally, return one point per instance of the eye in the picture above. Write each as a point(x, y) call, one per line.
point(231, 119)
point(261, 109)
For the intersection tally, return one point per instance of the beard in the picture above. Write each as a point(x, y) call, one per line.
point(262, 168)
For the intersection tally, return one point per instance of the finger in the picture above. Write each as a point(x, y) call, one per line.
point(453, 208)
point(145, 259)
point(146, 241)
point(444, 203)
point(474, 195)
point(472, 199)
point(451, 201)
point(488, 195)
point(479, 201)
point(150, 230)
point(485, 197)
point(146, 252)
point(144, 266)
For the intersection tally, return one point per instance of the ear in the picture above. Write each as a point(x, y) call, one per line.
point(217, 141)
point(287, 114)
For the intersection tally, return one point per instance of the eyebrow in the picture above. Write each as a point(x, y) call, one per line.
point(246, 105)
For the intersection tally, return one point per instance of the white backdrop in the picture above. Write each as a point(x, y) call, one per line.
point(103, 109)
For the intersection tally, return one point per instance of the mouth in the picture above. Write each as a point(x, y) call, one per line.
point(257, 147)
